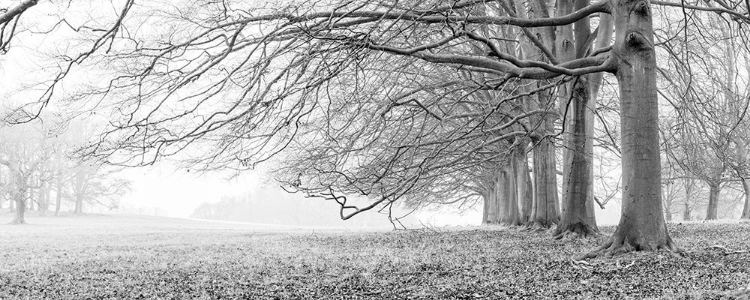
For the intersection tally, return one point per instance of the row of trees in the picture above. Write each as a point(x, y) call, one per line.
point(422, 102)
point(706, 83)
point(37, 173)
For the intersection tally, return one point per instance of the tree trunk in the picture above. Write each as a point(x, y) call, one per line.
point(746, 209)
point(20, 200)
point(12, 205)
point(485, 207)
point(43, 199)
point(713, 201)
point(642, 225)
point(79, 205)
point(507, 194)
point(58, 196)
point(577, 214)
point(688, 195)
point(544, 212)
point(492, 208)
point(578, 200)
point(522, 185)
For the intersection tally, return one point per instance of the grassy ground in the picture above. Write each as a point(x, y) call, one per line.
point(122, 257)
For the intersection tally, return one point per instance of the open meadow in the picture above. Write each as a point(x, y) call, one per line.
point(117, 257)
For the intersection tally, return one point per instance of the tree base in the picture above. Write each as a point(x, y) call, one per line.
point(618, 245)
point(17, 222)
point(539, 226)
point(576, 230)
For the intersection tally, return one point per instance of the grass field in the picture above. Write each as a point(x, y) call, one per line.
point(114, 257)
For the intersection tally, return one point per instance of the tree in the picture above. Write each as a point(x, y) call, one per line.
point(21, 153)
point(93, 183)
point(708, 94)
point(255, 76)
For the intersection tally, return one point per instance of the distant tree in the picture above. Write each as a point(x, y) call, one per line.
point(22, 154)
point(706, 79)
point(93, 183)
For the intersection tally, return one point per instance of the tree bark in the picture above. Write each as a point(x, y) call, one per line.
point(20, 200)
point(485, 208)
point(578, 200)
point(577, 214)
point(507, 195)
point(642, 225)
point(79, 205)
point(522, 185)
point(689, 183)
point(18, 217)
point(58, 196)
point(545, 207)
point(492, 208)
point(713, 201)
point(746, 209)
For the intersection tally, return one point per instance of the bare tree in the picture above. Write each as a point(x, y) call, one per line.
point(709, 96)
point(21, 153)
point(232, 86)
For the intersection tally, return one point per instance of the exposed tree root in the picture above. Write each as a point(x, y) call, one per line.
point(577, 230)
point(617, 245)
point(539, 226)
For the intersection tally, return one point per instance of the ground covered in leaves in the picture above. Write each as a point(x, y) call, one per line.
point(104, 257)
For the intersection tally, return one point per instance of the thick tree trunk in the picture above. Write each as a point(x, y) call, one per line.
point(542, 209)
point(79, 205)
point(493, 216)
point(713, 201)
point(18, 217)
point(578, 200)
point(507, 196)
point(642, 225)
point(668, 199)
point(485, 207)
point(58, 196)
point(523, 187)
point(746, 209)
point(577, 214)
point(544, 212)
point(689, 183)
point(20, 200)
